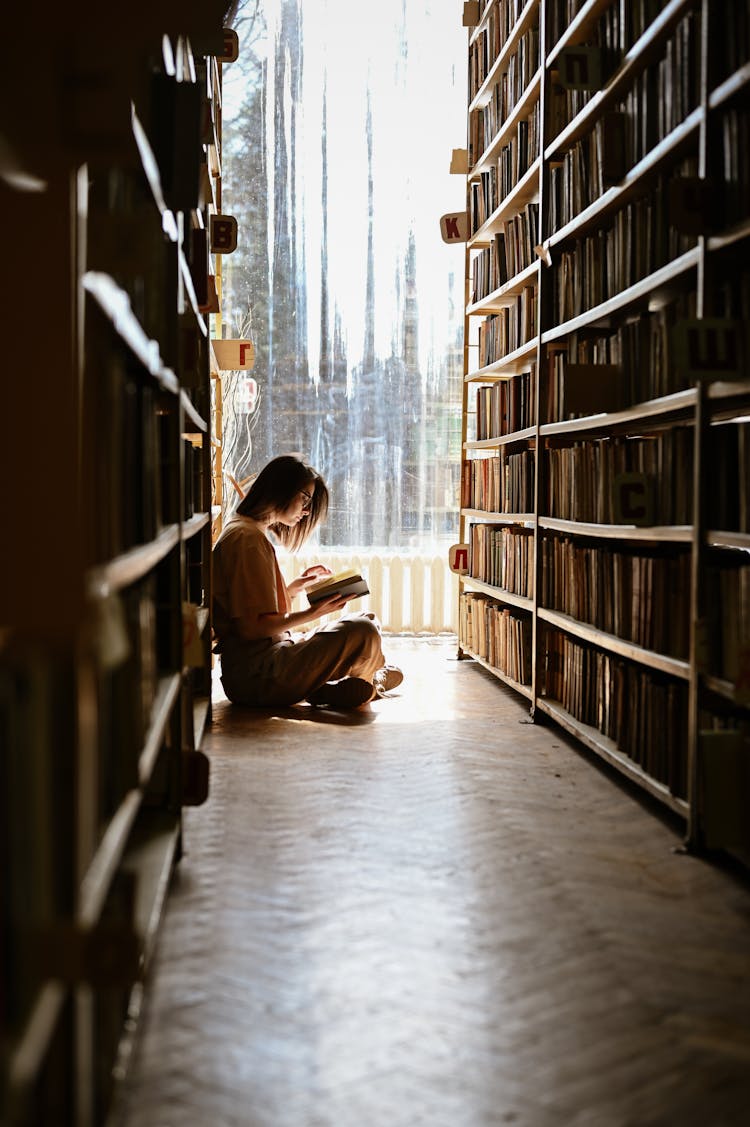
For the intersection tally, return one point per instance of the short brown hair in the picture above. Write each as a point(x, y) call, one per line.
point(276, 486)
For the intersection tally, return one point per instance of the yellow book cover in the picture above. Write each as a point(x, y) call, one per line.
point(349, 583)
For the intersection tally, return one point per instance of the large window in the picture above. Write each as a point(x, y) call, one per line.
point(339, 120)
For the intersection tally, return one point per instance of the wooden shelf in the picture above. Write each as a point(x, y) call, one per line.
point(631, 184)
point(166, 701)
point(499, 593)
point(195, 524)
point(725, 689)
point(731, 541)
point(115, 304)
point(607, 750)
point(523, 690)
point(737, 83)
point(706, 281)
point(673, 666)
point(579, 28)
point(504, 295)
point(639, 294)
point(528, 434)
point(632, 64)
point(132, 565)
point(665, 408)
point(153, 176)
point(150, 857)
point(525, 191)
point(730, 237)
point(193, 416)
point(27, 1056)
point(526, 520)
point(657, 534)
point(107, 824)
point(515, 362)
point(509, 126)
point(522, 25)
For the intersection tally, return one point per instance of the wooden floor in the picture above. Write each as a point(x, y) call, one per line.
point(432, 912)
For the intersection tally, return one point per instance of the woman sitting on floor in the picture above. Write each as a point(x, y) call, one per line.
point(263, 662)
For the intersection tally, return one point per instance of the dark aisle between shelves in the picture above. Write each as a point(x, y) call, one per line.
point(416, 914)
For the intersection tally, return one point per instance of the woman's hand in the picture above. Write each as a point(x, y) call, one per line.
point(328, 606)
point(309, 576)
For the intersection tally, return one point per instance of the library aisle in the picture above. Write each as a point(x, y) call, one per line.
point(407, 916)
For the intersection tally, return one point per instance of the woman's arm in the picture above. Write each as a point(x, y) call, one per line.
point(275, 623)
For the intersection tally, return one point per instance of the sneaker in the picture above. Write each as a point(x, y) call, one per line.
point(349, 692)
point(387, 678)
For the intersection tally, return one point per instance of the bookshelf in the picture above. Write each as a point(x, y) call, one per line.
point(605, 476)
point(110, 180)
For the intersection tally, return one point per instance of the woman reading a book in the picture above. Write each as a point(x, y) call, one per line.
point(264, 661)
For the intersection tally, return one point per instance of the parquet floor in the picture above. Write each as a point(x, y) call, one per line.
point(433, 913)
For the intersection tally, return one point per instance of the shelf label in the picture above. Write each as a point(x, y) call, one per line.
point(459, 162)
point(454, 227)
point(583, 68)
point(471, 13)
point(247, 395)
point(223, 234)
point(458, 559)
point(708, 348)
point(233, 355)
point(231, 47)
point(633, 499)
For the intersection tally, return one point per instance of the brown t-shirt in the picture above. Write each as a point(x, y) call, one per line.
point(246, 579)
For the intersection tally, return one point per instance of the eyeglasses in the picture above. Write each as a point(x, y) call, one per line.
point(308, 499)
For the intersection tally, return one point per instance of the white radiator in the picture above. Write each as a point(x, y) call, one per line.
point(408, 593)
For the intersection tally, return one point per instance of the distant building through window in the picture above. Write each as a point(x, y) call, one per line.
point(339, 121)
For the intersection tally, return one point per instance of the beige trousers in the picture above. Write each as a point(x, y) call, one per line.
point(269, 673)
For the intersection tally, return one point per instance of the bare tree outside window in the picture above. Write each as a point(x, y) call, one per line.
point(339, 121)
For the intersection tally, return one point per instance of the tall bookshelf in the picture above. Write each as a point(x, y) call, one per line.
point(109, 177)
point(605, 476)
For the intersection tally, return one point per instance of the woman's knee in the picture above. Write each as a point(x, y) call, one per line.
point(362, 631)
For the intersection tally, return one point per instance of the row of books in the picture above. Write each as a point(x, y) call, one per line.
point(503, 332)
point(636, 241)
point(644, 713)
point(620, 25)
point(502, 556)
point(586, 170)
point(619, 367)
point(510, 252)
point(193, 480)
point(495, 183)
point(126, 241)
point(127, 684)
point(500, 635)
point(641, 598)
point(506, 406)
point(646, 480)
point(614, 33)
point(660, 98)
point(139, 488)
point(485, 123)
point(727, 595)
point(126, 438)
point(729, 45)
point(489, 42)
point(503, 483)
point(734, 160)
point(38, 694)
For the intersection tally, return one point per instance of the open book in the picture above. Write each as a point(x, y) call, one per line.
point(349, 583)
